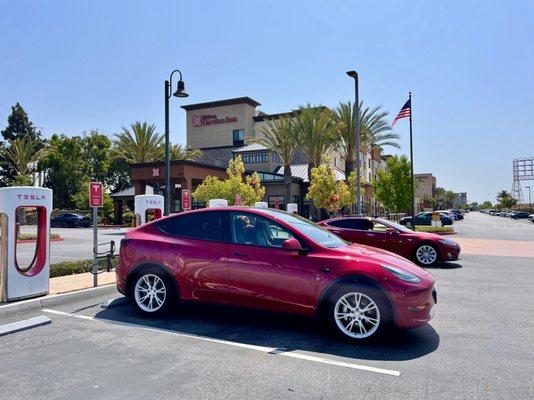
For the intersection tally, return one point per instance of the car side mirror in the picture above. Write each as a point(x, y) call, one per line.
point(392, 231)
point(291, 244)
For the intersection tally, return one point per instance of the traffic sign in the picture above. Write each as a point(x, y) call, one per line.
point(96, 194)
point(186, 199)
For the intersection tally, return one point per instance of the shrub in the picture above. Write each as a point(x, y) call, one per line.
point(434, 229)
point(128, 217)
point(76, 267)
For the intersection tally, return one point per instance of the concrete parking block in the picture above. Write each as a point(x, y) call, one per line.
point(24, 324)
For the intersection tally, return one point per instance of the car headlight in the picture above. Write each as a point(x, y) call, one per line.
point(401, 274)
point(448, 242)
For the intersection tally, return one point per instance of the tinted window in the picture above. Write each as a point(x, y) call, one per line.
point(257, 230)
point(318, 234)
point(203, 225)
point(351, 223)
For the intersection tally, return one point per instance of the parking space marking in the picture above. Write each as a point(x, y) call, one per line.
point(24, 324)
point(263, 349)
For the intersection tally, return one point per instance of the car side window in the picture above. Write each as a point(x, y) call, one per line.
point(202, 225)
point(378, 227)
point(255, 230)
point(351, 223)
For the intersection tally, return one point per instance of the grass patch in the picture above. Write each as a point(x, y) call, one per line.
point(434, 229)
point(33, 236)
point(77, 267)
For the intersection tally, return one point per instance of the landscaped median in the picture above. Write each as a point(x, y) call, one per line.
point(441, 230)
point(77, 267)
point(32, 237)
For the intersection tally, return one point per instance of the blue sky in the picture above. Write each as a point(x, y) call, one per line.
point(82, 65)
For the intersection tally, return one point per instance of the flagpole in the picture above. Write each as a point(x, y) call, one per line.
point(412, 207)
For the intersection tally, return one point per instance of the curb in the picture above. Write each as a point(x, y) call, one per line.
point(59, 239)
point(54, 300)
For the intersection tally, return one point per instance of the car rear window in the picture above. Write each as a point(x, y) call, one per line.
point(351, 223)
point(202, 225)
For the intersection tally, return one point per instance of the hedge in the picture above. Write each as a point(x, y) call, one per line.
point(33, 236)
point(77, 267)
point(434, 229)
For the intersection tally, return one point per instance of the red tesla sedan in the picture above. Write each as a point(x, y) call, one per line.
point(424, 248)
point(265, 258)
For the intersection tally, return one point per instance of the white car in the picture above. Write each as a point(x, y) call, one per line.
point(531, 217)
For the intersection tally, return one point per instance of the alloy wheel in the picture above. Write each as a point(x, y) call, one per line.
point(150, 293)
point(426, 254)
point(357, 315)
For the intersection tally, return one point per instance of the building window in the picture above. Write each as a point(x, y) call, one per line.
point(239, 137)
point(255, 158)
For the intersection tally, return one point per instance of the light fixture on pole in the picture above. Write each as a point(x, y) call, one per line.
point(180, 92)
point(354, 74)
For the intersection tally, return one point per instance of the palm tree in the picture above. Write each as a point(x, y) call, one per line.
point(279, 138)
point(138, 144)
point(375, 131)
point(22, 155)
point(315, 131)
point(177, 152)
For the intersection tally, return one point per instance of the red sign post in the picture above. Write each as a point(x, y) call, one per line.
point(96, 194)
point(186, 199)
point(96, 199)
point(237, 201)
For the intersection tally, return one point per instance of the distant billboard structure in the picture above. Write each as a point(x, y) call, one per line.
point(523, 170)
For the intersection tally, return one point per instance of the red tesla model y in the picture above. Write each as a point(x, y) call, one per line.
point(265, 258)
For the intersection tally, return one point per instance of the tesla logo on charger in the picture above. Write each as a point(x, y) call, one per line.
point(31, 196)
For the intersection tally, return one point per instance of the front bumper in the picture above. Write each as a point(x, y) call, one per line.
point(450, 253)
point(415, 307)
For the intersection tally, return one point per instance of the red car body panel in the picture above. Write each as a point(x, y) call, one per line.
point(272, 278)
point(402, 243)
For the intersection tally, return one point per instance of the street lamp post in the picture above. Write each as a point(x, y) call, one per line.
point(180, 92)
point(529, 201)
point(354, 74)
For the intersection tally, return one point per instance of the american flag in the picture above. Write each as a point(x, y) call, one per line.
point(404, 112)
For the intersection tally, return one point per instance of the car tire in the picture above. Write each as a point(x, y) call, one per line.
point(409, 224)
point(153, 291)
point(426, 255)
point(346, 315)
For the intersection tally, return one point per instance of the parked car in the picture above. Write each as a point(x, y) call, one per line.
point(424, 248)
point(531, 217)
point(519, 214)
point(459, 215)
point(70, 221)
point(424, 218)
point(271, 259)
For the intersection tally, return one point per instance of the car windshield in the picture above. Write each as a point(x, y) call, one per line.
point(317, 234)
point(392, 224)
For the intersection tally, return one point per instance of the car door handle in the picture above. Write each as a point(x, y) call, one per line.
point(336, 231)
point(240, 254)
point(324, 269)
point(370, 234)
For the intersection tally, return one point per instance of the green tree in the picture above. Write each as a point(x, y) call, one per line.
point(138, 144)
point(19, 126)
point(21, 155)
point(96, 154)
point(81, 201)
point(393, 186)
point(66, 167)
point(177, 152)
point(279, 138)
point(327, 192)
point(486, 205)
point(375, 131)
point(505, 200)
point(248, 187)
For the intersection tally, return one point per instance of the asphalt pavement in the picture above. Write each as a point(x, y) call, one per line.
point(479, 346)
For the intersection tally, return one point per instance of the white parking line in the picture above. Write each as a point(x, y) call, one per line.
point(269, 350)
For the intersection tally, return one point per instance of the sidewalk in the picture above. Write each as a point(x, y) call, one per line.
point(70, 283)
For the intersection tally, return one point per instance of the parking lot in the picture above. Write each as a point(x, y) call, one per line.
point(479, 346)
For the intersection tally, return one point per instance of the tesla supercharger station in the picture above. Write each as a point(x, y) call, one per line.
point(21, 282)
point(147, 202)
point(217, 203)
